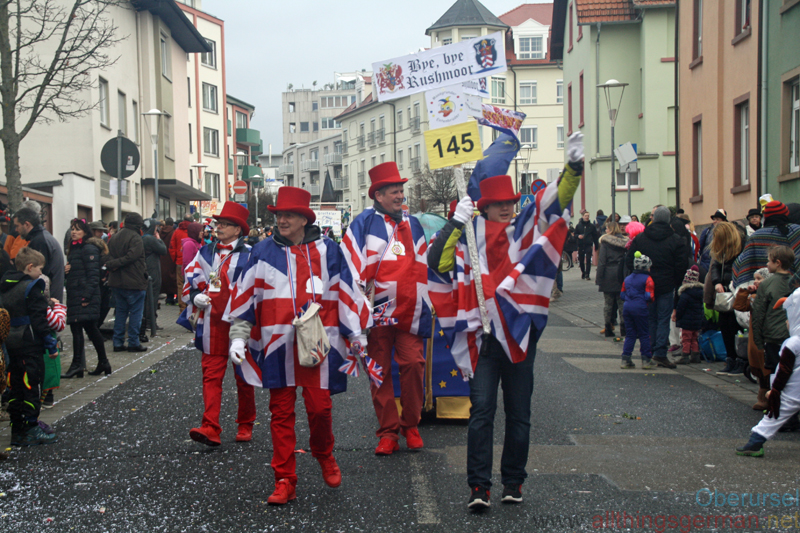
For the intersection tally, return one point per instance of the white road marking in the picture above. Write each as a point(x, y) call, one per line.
point(427, 510)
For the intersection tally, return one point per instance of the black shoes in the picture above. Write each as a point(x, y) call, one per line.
point(102, 368)
point(139, 348)
point(663, 362)
point(73, 372)
point(120, 348)
point(512, 494)
point(143, 338)
point(751, 450)
point(479, 499)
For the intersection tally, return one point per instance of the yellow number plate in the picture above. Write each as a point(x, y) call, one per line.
point(453, 145)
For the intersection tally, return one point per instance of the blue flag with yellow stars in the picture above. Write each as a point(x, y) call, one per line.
point(495, 162)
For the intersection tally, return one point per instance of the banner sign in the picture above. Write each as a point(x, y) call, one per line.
point(479, 87)
point(330, 219)
point(446, 107)
point(505, 120)
point(440, 67)
point(453, 145)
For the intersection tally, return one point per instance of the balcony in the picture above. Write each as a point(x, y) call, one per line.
point(257, 150)
point(230, 166)
point(333, 159)
point(414, 124)
point(372, 139)
point(248, 171)
point(286, 170)
point(309, 165)
point(362, 179)
point(314, 189)
point(414, 164)
point(361, 144)
point(248, 137)
point(381, 135)
point(342, 184)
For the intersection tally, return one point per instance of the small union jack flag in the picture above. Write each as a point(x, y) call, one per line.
point(378, 313)
point(373, 370)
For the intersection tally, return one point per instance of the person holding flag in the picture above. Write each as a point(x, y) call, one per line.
point(519, 258)
point(285, 276)
point(386, 250)
point(208, 283)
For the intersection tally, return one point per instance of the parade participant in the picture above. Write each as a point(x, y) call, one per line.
point(522, 255)
point(283, 278)
point(386, 250)
point(209, 279)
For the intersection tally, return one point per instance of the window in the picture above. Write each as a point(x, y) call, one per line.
point(314, 106)
point(168, 136)
point(211, 141)
point(447, 41)
point(163, 206)
point(212, 185)
point(292, 127)
point(314, 155)
point(623, 177)
point(580, 90)
point(105, 185)
point(291, 107)
point(560, 137)
point(697, 46)
point(190, 139)
point(498, 90)
point(329, 124)
point(104, 112)
point(527, 93)
point(373, 161)
point(559, 91)
point(123, 115)
point(697, 156)
point(400, 159)
point(416, 109)
point(209, 59)
point(569, 108)
point(189, 91)
point(794, 129)
point(209, 97)
point(529, 136)
point(135, 136)
point(383, 157)
point(166, 68)
point(303, 127)
point(571, 23)
point(241, 120)
point(531, 48)
point(742, 16)
point(741, 144)
point(334, 101)
point(138, 192)
point(315, 126)
point(400, 119)
point(372, 125)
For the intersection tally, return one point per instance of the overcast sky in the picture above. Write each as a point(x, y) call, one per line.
point(269, 45)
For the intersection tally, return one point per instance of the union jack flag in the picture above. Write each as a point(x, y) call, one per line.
point(274, 285)
point(369, 247)
point(374, 370)
point(518, 269)
point(378, 313)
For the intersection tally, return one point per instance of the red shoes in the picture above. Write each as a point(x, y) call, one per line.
point(284, 493)
point(331, 472)
point(205, 435)
point(413, 439)
point(387, 447)
point(245, 433)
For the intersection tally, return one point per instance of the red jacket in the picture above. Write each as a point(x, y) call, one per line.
point(175, 245)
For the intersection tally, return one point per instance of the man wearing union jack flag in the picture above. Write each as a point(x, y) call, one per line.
point(519, 259)
point(285, 275)
point(386, 250)
point(208, 281)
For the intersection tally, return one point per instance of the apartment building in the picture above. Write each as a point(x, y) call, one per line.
point(308, 165)
point(244, 145)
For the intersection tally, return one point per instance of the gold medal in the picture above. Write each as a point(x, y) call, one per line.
point(398, 248)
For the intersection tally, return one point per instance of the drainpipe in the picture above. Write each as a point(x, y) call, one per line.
point(677, 108)
point(597, 92)
point(394, 134)
point(762, 104)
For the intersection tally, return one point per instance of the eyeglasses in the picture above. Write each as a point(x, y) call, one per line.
point(223, 224)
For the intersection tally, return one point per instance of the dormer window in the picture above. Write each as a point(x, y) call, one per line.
point(531, 48)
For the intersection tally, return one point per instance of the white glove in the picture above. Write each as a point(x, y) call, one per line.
point(464, 210)
point(236, 351)
point(575, 147)
point(201, 301)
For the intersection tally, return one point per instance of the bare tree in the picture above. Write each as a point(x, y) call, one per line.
point(437, 188)
point(265, 197)
point(48, 49)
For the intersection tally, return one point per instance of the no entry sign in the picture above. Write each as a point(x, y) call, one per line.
point(240, 187)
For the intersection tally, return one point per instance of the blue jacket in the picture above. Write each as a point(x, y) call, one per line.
point(689, 310)
point(637, 291)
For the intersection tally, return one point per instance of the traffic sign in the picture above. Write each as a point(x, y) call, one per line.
point(526, 199)
point(130, 157)
point(453, 145)
point(239, 197)
point(240, 187)
point(538, 185)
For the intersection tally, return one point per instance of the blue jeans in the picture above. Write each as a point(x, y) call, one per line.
point(129, 307)
point(660, 314)
point(495, 367)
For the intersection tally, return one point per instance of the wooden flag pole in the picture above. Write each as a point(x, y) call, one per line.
point(472, 245)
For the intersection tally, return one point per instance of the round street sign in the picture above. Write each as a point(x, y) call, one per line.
point(537, 186)
point(240, 187)
point(130, 157)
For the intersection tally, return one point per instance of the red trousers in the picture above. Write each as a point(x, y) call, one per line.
point(214, 367)
point(689, 341)
point(409, 356)
point(284, 439)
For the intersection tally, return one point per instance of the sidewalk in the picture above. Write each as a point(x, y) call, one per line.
point(74, 393)
point(582, 305)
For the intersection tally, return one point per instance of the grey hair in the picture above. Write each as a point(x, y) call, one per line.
point(34, 205)
point(763, 272)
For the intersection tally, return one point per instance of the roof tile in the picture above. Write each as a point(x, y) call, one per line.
point(590, 11)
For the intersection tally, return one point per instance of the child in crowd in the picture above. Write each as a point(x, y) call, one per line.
point(689, 315)
point(57, 320)
point(23, 297)
point(755, 354)
point(637, 292)
point(783, 399)
point(769, 322)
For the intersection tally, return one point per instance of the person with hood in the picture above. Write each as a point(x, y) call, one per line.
point(666, 251)
point(154, 250)
point(167, 264)
point(128, 280)
point(612, 253)
point(600, 221)
point(777, 231)
point(192, 243)
point(586, 235)
point(84, 273)
point(29, 225)
point(176, 253)
point(689, 315)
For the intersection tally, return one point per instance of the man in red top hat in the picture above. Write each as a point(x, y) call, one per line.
point(209, 281)
point(286, 273)
point(387, 250)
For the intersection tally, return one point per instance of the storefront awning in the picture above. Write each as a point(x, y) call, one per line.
point(183, 191)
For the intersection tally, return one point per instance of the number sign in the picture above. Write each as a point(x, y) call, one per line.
point(454, 145)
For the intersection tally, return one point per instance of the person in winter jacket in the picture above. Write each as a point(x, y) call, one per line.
point(176, 253)
point(84, 263)
point(154, 250)
point(128, 279)
point(612, 253)
point(638, 292)
point(168, 268)
point(192, 243)
point(29, 226)
point(23, 297)
point(720, 215)
point(778, 230)
point(783, 399)
point(769, 323)
point(725, 248)
point(689, 315)
point(586, 235)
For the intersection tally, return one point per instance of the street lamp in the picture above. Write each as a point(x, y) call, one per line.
point(608, 88)
point(154, 131)
point(254, 181)
point(199, 167)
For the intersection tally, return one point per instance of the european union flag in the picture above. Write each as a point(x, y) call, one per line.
point(495, 162)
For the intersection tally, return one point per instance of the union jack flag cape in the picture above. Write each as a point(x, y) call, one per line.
point(518, 270)
point(369, 247)
point(274, 278)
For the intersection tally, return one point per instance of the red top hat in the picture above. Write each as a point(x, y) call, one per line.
point(236, 213)
point(383, 175)
point(452, 212)
point(497, 189)
point(294, 200)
